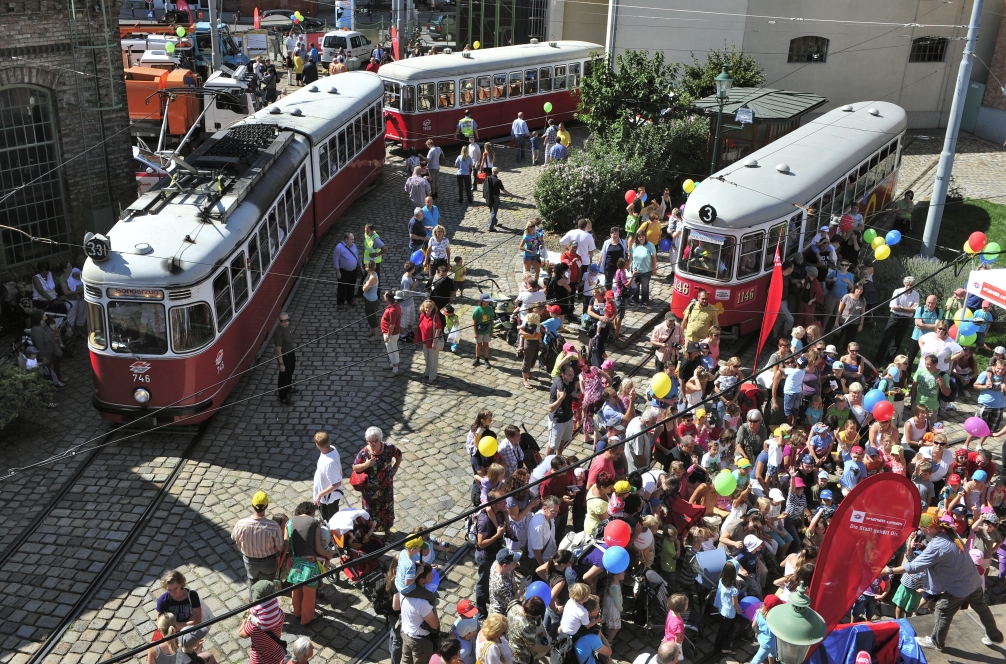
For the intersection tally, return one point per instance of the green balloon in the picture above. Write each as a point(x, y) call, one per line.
point(169, 47)
point(991, 252)
point(180, 31)
point(548, 107)
point(869, 235)
point(968, 340)
point(725, 483)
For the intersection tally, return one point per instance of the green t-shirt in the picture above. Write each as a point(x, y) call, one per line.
point(926, 390)
point(841, 415)
point(483, 316)
point(631, 224)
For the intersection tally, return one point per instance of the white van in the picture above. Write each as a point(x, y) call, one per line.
point(358, 48)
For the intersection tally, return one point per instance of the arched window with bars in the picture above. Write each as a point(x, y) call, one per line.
point(808, 49)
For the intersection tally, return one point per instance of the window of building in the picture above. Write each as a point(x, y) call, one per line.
point(426, 95)
point(560, 77)
point(515, 84)
point(545, 79)
point(32, 179)
point(445, 94)
point(808, 49)
point(222, 298)
point(499, 86)
point(191, 327)
point(468, 90)
point(929, 49)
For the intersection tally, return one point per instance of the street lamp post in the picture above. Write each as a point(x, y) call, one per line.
point(796, 627)
point(723, 84)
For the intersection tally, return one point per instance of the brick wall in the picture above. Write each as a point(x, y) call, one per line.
point(37, 50)
point(994, 96)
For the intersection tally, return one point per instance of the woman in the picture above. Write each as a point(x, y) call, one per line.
point(880, 430)
point(488, 158)
point(526, 633)
point(811, 297)
point(430, 333)
point(261, 624)
point(73, 292)
point(371, 282)
point(491, 646)
point(43, 287)
point(592, 388)
point(612, 249)
point(604, 325)
point(553, 572)
point(520, 507)
point(643, 267)
point(915, 428)
point(652, 226)
point(855, 401)
point(380, 461)
point(965, 370)
point(856, 367)
point(165, 652)
point(695, 387)
point(464, 165)
point(438, 252)
point(45, 341)
point(304, 537)
point(442, 287)
point(850, 314)
point(178, 600)
point(391, 326)
point(597, 501)
point(559, 290)
point(530, 332)
point(530, 245)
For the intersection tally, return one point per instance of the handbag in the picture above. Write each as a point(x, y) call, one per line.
point(358, 480)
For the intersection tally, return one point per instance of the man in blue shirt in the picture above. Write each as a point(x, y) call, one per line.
point(991, 387)
point(793, 388)
point(431, 213)
point(520, 134)
point(346, 259)
point(839, 283)
point(557, 151)
point(925, 322)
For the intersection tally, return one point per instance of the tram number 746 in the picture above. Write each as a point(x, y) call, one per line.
point(141, 378)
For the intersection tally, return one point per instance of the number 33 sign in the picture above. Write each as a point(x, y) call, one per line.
point(707, 213)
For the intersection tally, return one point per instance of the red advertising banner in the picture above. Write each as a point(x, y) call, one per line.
point(396, 47)
point(772, 302)
point(872, 522)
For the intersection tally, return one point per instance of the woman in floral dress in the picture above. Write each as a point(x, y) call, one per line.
point(379, 461)
point(591, 386)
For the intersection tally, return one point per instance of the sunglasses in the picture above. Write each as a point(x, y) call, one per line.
point(285, 320)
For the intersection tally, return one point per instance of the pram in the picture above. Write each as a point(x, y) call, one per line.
point(651, 593)
point(503, 305)
point(694, 579)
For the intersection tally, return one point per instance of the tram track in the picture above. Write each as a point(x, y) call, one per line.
point(59, 563)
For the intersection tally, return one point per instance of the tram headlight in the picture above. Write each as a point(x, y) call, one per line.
point(141, 395)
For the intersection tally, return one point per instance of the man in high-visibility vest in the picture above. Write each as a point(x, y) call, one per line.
point(467, 127)
point(373, 247)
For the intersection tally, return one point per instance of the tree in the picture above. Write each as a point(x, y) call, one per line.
point(639, 87)
point(26, 394)
point(697, 80)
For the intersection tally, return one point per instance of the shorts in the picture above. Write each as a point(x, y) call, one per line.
point(992, 416)
point(906, 599)
point(865, 607)
point(772, 471)
point(559, 433)
point(534, 258)
point(792, 403)
point(483, 338)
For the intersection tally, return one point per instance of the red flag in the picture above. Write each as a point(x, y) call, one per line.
point(182, 5)
point(396, 48)
point(872, 522)
point(257, 25)
point(773, 301)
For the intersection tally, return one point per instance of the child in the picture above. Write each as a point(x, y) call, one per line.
point(733, 418)
point(729, 607)
point(960, 464)
point(766, 639)
point(452, 323)
point(950, 491)
point(711, 459)
point(589, 281)
point(907, 600)
point(408, 305)
point(921, 478)
point(866, 606)
point(623, 286)
point(726, 383)
point(574, 615)
point(32, 354)
point(460, 272)
point(839, 410)
point(616, 503)
point(796, 340)
point(669, 553)
point(674, 626)
point(815, 411)
point(535, 140)
point(646, 544)
point(702, 431)
point(981, 319)
point(848, 438)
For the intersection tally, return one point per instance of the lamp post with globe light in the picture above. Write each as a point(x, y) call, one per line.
point(796, 627)
point(723, 84)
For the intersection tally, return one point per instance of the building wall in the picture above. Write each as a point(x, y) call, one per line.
point(582, 20)
point(98, 175)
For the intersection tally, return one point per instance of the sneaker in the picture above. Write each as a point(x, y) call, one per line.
point(927, 642)
point(950, 405)
point(394, 370)
point(488, 366)
point(476, 362)
point(989, 642)
point(967, 394)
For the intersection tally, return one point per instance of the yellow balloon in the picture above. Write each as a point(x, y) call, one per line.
point(477, 45)
point(488, 446)
point(660, 384)
point(688, 186)
point(963, 314)
point(968, 250)
point(881, 252)
point(878, 242)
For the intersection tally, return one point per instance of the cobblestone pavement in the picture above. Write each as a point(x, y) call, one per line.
point(979, 165)
point(255, 443)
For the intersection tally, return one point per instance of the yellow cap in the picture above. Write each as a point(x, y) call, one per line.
point(621, 486)
point(700, 412)
point(414, 543)
point(260, 500)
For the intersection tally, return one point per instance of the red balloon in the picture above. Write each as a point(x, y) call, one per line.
point(617, 533)
point(977, 241)
point(845, 225)
point(883, 411)
point(953, 331)
point(630, 196)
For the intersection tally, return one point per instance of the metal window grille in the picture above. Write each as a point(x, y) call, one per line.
point(31, 186)
point(929, 49)
point(808, 49)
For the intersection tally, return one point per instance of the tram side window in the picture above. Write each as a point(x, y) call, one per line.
point(750, 255)
point(574, 75)
point(342, 148)
point(545, 79)
point(138, 327)
point(191, 327)
point(445, 94)
point(515, 84)
point(824, 216)
point(222, 299)
point(426, 94)
point(253, 261)
point(358, 131)
point(263, 243)
point(291, 211)
point(896, 153)
point(706, 255)
point(467, 86)
point(273, 234)
point(560, 77)
point(281, 219)
point(323, 172)
point(531, 81)
point(883, 167)
point(837, 202)
point(408, 99)
point(813, 222)
point(392, 95)
point(774, 234)
point(302, 190)
point(876, 172)
point(96, 326)
point(862, 183)
point(333, 154)
point(239, 280)
point(483, 91)
point(499, 86)
point(793, 235)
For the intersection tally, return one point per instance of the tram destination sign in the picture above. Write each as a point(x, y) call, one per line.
point(97, 247)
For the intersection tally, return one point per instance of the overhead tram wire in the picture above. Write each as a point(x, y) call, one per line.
point(474, 510)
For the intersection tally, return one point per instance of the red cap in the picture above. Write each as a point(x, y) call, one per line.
point(857, 449)
point(961, 452)
point(554, 309)
point(467, 609)
point(772, 601)
point(954, 479)
point(610, 295)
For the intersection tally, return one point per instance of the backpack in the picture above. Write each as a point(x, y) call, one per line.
point(472, 529)
point(579, 544)
point(562, 651)
point(376, 591)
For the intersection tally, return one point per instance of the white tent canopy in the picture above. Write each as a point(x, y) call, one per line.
point(989, 285)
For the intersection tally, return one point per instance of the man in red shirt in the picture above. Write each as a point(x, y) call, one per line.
point(374, 65)
point(605, 462)
point(981, 460)
point(557, 484)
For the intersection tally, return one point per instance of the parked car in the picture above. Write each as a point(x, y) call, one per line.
point(442, 27)
point(309, 23)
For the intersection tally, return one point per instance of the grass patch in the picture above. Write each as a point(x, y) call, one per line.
point(959, 222)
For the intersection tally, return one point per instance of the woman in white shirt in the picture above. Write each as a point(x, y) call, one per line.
point(491, 646)
point(439, 252)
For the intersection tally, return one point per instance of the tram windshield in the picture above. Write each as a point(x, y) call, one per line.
point(707, 255)
point(138, 328)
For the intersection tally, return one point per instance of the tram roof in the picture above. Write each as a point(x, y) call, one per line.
point(355, 91)
point(484, 61)
point(818, 154)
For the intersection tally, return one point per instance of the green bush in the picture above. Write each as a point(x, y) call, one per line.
point(890, 274)
point(25, 394)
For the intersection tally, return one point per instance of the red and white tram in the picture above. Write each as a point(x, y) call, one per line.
point(792, 186)
point(200, 267)
point(426, 97)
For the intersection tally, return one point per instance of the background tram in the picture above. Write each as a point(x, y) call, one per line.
point(201, 265)
point(425, 97)
point(848, 155)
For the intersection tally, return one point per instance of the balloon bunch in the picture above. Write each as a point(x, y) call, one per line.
point(297, 18)
point(978, 243)
point(881, 243)
point(689, 186)
point(963, 331)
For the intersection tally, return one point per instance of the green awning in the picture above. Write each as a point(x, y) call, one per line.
point(768, 105)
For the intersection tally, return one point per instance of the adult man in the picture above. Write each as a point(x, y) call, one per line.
point(839, 284)
point(952, 578)
point(560, 410)
point(639, 441)
point(467, 127)
point(373, 66)
point(482, 319)
point(584, 240)
point(346, 259)
point(925, 321)
point(520, 134)
point(475, 154)
point(556, 483)
point(551, 131)
point(683, 452)
point(991, 386)
point(903, 209)
point(489, 535)
point(378, 54)
point(562, 136)
point(431, 213)
point(904, 302)
point(419, 619)
point(557, 152)
point(751, 435)
point(373, 247)
point(669, 652)
point(327, 477)
point(541, 542)
point(418, 235)
point(282, 340)
point(433, 157)
point(939, 343)
point(663, 338)
point(259, 540)
point(417, 187)
point(491, 192)
point(699, 316)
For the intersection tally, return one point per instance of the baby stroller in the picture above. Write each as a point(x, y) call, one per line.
point(694, 581)
point(651, 593)
point(503, 305)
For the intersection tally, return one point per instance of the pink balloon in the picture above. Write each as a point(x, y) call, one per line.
point(976, 426)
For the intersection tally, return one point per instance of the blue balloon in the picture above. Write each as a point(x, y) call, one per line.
point(748, 602)
point(986, 261)
point(966, 329)
point(539, 589)
point(615, 560)
point(872, 398)
point(893, 237)
point(665, 245)
point(417, 257)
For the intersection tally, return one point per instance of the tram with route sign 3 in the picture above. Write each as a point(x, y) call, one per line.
point(187, 284)
point(425, 97)
point(786, 192)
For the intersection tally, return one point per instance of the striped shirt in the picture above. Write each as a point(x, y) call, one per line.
point(265, 649)
point(795, 505)
point(257, 538)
